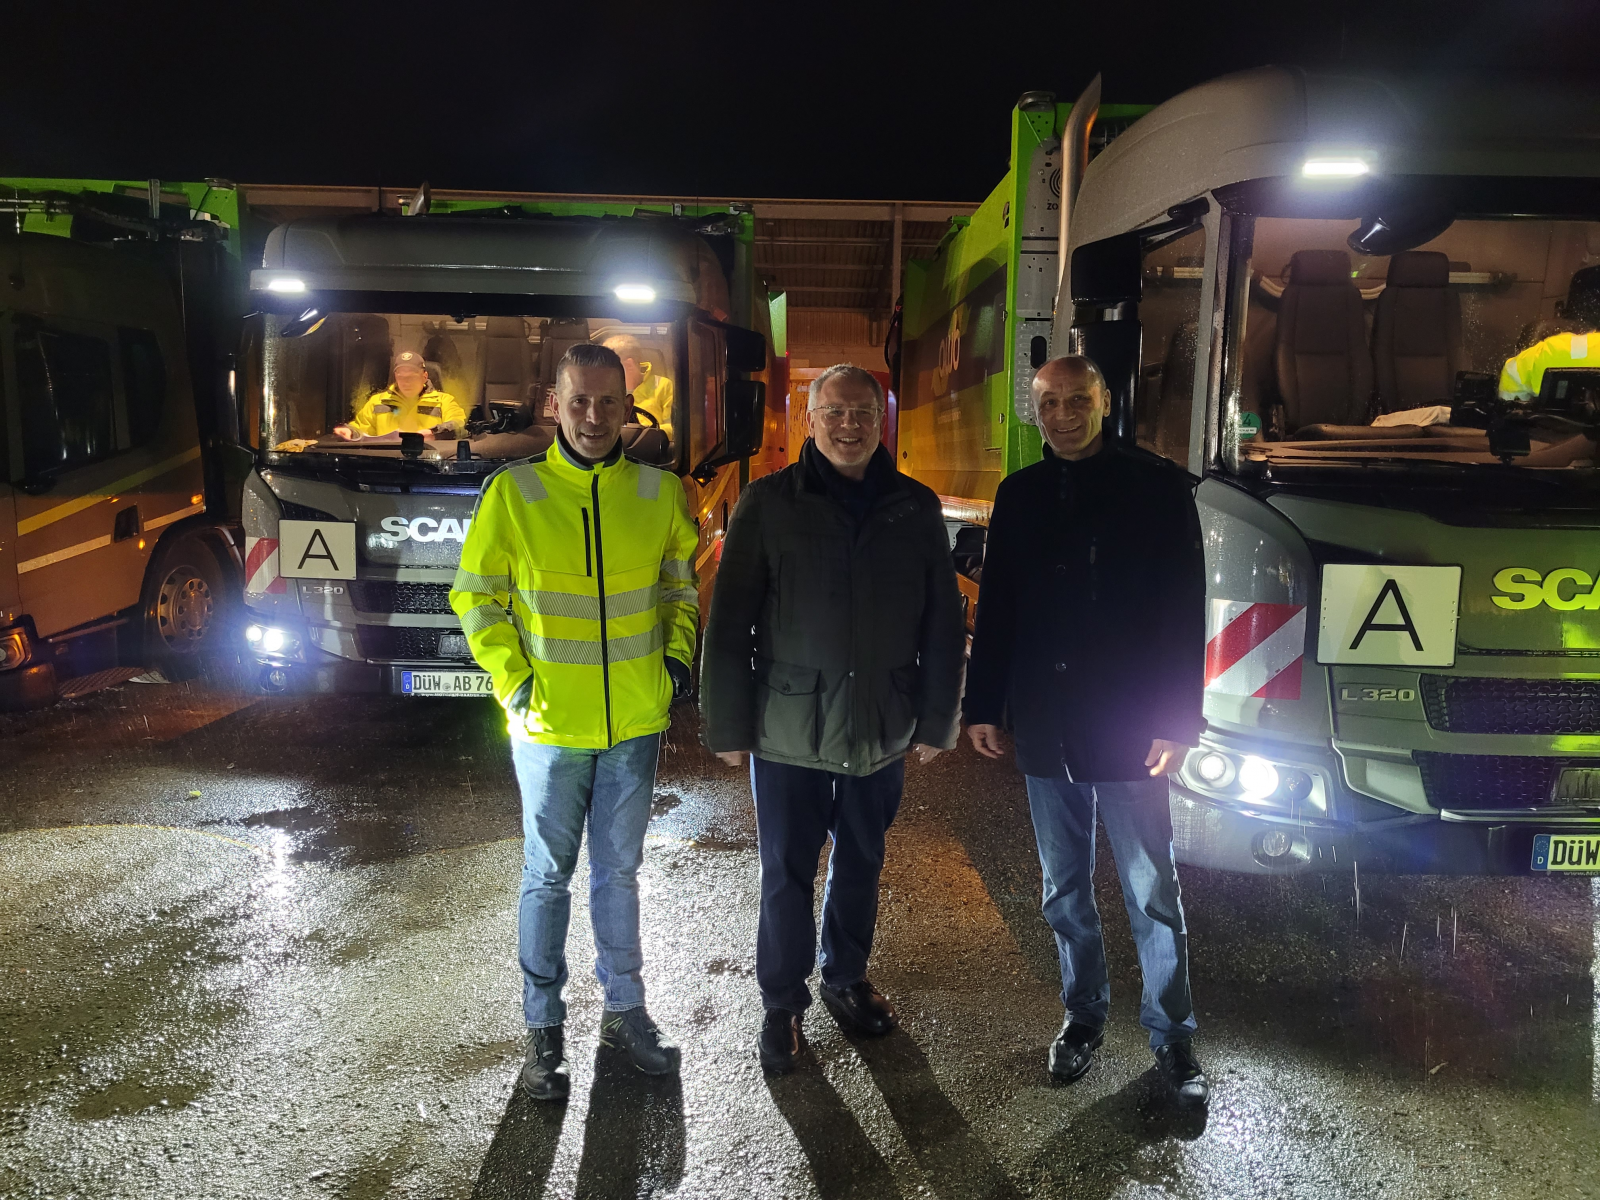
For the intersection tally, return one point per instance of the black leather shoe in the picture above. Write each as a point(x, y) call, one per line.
point(1181, 1069)
point(779, 1043)
point(1073, 1050)
point(633, 1032)
point(861, 1008)
point(544, 1072)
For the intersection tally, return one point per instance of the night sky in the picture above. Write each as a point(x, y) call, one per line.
point(860, 100)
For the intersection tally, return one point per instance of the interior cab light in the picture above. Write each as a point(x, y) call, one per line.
point(287, 284)
point(635, 293)
point(1334, 168)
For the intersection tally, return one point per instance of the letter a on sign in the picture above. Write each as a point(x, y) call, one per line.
point(1381, 615)
point(317, 549)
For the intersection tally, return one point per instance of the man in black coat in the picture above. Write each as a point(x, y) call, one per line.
point(834, 646)
point(1090, 638)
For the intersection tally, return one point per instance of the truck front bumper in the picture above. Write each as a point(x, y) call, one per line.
point(1206, 833)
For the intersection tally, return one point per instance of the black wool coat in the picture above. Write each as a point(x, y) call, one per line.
point(1090, 631)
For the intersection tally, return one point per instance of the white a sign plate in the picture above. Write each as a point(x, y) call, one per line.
point(1381, 615)
point(317, 549)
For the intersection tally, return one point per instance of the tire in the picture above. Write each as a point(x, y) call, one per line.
point(181, 614)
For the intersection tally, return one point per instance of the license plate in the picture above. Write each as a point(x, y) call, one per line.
point(446, 683)
point(1567, 852)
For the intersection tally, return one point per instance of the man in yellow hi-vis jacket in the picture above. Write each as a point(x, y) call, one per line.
point(578, 595)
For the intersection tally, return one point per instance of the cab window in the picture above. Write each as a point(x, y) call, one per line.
point(1170, 315)
point(67, 398)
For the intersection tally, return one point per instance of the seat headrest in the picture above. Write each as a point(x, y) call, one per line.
point(1419, 268)
point(1319, 267)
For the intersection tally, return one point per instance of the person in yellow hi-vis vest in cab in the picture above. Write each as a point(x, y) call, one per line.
point(1522, 376)
point(648, 383)
point(410, 404)
point(577, 593)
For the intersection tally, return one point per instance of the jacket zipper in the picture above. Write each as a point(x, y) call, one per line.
point(1094, 575)
point(600, 579)
point(588, 560)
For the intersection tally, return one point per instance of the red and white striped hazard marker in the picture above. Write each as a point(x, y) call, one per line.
point(261, 567)
point(1255, 649)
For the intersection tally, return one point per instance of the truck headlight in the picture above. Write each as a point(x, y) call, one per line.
point(1253, 780)
point(1257, 778)
point(272, 642)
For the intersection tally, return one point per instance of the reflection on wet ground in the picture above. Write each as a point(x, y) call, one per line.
point(268, 947)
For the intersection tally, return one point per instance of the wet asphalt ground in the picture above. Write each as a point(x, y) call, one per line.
point(266, 947)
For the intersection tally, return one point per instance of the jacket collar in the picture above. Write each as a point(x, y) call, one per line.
point(882, 474)
point(566, 456)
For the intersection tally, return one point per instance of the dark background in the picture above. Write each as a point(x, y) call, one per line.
point(813, 100)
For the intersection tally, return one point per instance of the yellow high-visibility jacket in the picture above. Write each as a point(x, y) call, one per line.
point(1522, 376)
point(654, 395)
point(581, 577)
point(390, 412)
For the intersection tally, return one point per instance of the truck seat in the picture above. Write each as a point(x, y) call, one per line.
point(1416, 334)
point(1324, 369)
point(508, 363)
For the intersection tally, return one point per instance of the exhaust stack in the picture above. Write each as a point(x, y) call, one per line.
point(1074, 162)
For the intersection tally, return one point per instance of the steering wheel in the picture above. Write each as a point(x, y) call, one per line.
point(635, 410)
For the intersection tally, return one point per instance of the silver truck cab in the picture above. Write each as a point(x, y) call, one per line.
point(1303, 289)
point(357, 512)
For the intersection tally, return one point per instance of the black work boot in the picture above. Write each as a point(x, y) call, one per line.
point(860, 1008)
point(544, 1071)
point(632, 1030)
point(1073, 1050)
point(1181, 1069)
point(779, 1043)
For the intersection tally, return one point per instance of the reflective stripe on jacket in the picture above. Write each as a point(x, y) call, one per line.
point(390, 412)
point(580, 577)
point(1522, 376)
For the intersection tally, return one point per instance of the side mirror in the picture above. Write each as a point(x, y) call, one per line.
point(747, 349)
point(743, 415)
point(1108, 272)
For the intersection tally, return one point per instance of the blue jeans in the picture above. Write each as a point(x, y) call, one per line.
point(797, 809)
point(1138, 822)
point(562, 789)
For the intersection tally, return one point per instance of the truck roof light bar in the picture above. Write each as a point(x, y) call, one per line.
point(1343, 167)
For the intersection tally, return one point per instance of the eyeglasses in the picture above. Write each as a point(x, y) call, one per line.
point(833, 414)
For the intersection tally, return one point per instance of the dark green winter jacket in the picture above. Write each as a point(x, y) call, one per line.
point(834, 642)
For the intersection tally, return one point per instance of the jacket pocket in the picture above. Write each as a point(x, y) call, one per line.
point(901, 703)
point(787, 719)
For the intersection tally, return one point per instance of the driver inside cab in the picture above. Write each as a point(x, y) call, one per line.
point(410, 404)
point(1579, 346)
point(651, 389)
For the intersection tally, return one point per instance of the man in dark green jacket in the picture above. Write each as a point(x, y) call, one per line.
point(835, 645)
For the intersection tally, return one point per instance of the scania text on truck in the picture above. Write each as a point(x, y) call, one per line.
point(1303, 290)
point(119, 475)
point(356, 514)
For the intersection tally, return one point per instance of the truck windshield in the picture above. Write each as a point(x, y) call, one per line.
point(1421, 357)
point(356, 381)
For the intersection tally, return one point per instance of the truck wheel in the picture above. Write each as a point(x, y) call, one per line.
point(182, 607)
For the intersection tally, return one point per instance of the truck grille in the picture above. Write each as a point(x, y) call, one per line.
point(1460, 704)
point(1480, 781)
point(392, 596)
point(408, 642)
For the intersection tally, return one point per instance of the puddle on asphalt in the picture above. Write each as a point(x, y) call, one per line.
point(663, 803)
point(126, 1098)
point(316, 836)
